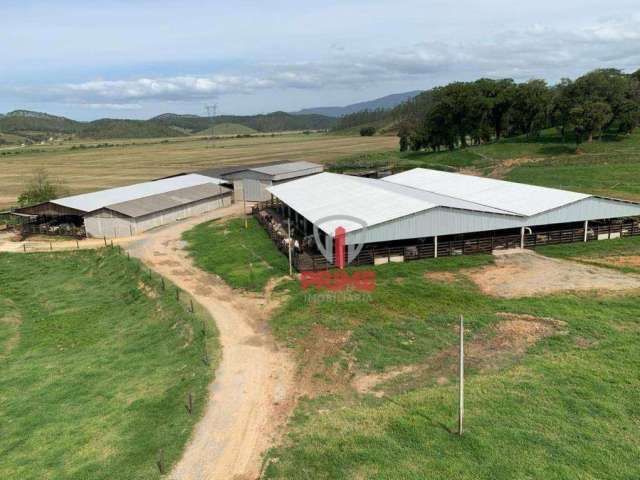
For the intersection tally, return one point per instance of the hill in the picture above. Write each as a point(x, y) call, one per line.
point(37, 126)
point(28, 121)
point(270, 122)
point(115, 128)
point(385, 103)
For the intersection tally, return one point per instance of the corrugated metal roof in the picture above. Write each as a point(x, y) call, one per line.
point(88, 202)
point(163, 201)
point(517, 198)
point(320, 196)
point(286, 170)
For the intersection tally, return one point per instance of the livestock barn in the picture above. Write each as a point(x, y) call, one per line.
point(427, 213)
point(125, 211)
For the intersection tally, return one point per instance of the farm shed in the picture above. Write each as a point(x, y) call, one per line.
point(251, 184)
point(427, 207)
point(129, 210)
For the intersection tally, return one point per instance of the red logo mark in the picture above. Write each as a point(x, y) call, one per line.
point(364, 281)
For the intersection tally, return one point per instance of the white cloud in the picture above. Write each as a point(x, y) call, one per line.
point(534, 51)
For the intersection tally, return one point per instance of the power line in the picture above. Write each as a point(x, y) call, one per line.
point(211, 113)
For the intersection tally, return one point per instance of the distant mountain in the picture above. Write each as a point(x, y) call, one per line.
point(38, 126)
point(385, 103)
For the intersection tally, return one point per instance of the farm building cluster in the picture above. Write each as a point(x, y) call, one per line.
point(404, 216)
point(130, 210)
point(428, 213)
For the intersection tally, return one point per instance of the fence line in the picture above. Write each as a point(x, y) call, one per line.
point(305, 261)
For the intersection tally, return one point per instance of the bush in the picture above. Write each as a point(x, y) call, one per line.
point(367, 131)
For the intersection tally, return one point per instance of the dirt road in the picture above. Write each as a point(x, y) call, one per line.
point(253, 392)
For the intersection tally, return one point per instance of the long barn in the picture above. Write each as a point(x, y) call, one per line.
point(442, 213)
point(126, 211)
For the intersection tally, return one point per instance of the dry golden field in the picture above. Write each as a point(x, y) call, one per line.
point(122, 162)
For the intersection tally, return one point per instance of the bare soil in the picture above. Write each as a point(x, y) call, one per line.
point(621, 261)
point(500, 345)
point(254, 390)
point(445, 277)
point(526, 274)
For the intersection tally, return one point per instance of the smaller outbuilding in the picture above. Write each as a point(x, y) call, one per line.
point(251, 180)
point(251, 184)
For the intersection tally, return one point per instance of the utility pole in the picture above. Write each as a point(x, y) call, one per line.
point(290, 264)
point(461, 397)
point(244, 203)
point(211, 113)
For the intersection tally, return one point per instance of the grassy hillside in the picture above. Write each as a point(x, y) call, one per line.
point(609, 167)
point(26, 121)
point(270, 122)
point(112, 128)
point(96, 362)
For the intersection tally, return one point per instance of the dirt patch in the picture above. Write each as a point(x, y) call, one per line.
point(323, 366)
point(446, 277)
point(527, 274)
point(505, 166)
point(498, 346)
point(254, 390)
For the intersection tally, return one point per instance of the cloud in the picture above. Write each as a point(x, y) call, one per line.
point(536, 51)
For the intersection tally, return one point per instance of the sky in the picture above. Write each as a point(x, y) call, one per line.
point(136, 59)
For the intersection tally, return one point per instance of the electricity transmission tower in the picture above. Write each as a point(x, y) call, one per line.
point(211, 113)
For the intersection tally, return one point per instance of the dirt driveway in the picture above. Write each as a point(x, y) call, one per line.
point(526, 274)
point(253, 392)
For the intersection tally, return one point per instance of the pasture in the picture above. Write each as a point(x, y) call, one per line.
point(97, 362)
point(87, 166)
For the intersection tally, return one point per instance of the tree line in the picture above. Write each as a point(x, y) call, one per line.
point(463, 113)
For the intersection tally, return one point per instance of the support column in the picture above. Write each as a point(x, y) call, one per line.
point(586, 229)
point(522, 237)
point(435, 247)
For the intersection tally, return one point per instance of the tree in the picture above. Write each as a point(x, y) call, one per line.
point(562, 104)
point(531, 107)
point(589, 119)
point(367, 131)
point(40, 189)
point(499, 96)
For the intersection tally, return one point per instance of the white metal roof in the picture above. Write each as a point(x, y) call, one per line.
point(286, 168)
point(517, 198)
point(88, 202)
point(326, 194)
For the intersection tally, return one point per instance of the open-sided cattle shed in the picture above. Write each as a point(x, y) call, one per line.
point(421, 206)
point(129, 210)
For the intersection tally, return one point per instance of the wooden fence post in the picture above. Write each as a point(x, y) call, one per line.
point(190, 403)
point(177, 294)
point(105, 241)
point(461, 391)
point(191, 302)
point(160, 462)
point(162, 283)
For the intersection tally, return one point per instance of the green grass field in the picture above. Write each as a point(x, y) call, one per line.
point(96, 363)
point(568, 408)
point(244, 258)
point(610, 167)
